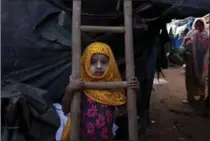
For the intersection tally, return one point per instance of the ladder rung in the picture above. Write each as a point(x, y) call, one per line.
point(105, 85)
point(114, 29)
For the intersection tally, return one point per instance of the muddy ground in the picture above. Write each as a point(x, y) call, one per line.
point(175, 126)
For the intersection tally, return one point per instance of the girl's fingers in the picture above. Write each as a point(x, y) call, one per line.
point(82, 83)
point(133, 86)
point(133, 83)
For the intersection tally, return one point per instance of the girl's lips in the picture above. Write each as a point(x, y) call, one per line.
point(98, 73)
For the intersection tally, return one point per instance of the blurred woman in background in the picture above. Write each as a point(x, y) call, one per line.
point(196, 42)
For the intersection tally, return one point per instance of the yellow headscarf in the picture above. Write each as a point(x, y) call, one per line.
point(113, 97)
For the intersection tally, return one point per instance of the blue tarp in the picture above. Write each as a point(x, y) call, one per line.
point(177, 43)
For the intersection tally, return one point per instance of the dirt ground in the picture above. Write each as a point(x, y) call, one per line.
point(173, 126)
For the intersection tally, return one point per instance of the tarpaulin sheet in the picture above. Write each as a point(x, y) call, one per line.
point(26, 56)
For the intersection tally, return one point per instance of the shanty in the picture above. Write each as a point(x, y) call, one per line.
point(105, 70)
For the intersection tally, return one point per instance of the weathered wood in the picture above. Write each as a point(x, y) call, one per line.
point(113, 29)
point(105, 85)
point(129, 59)
point(76, 55)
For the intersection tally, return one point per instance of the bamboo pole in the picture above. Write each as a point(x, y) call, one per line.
point(129, 59)
point(76, 55)
point(105, 85)
point(112, 29)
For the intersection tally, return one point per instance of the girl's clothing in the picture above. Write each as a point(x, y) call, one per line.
point(98, 105)
point(96, 120)
point(63, 120)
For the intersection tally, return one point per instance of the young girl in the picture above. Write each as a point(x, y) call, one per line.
point(98, 106)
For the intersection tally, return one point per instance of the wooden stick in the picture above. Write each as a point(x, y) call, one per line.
point(76, 55)
point(112, 29)
point(105, 85)
point(129, 59)
point(118, 5)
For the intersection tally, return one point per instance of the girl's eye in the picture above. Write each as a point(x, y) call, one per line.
point(93, 62)
point(104, 62)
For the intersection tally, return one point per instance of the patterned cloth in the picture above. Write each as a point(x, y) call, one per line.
point(96, 120)
point(64, 118)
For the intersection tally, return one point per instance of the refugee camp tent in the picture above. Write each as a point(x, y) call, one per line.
point(36, 48)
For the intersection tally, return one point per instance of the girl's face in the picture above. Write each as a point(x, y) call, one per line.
point(98, 64)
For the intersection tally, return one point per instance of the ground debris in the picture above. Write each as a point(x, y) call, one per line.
point(182, 112)
point(181, 139)
point(178, 126)
point(188, 113)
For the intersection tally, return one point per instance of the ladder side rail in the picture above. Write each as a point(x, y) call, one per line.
point(130, 72)
point(76, 55)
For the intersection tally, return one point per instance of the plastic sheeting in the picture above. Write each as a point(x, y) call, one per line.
point(26, 113)
point(26, 56)
point(188, 8)
point(202, 4)
point(37, 51)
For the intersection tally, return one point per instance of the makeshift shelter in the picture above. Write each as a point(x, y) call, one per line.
point(36, 42)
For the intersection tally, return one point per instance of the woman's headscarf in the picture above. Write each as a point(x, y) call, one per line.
point(202, 21)
point(109, 97)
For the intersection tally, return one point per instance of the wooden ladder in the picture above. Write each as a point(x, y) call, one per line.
point(127, 29)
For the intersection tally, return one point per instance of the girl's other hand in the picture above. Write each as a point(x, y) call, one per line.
point(134, 83)
point(75, 85)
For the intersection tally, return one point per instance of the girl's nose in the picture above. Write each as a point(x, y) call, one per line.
point(98, 64)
